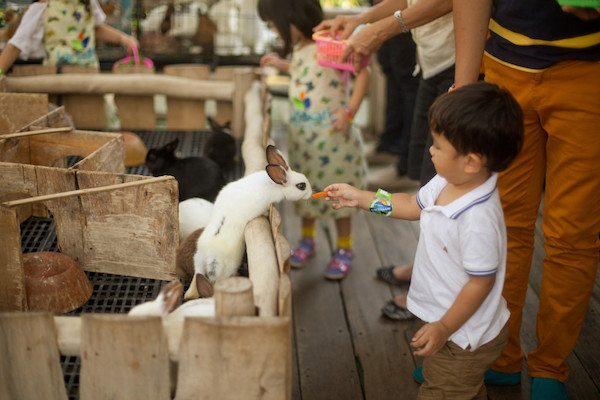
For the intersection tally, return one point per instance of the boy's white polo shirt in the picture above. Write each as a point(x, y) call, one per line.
point(464, 238)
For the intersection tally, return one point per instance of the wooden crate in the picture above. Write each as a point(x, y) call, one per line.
point(19, 109)
point(230, 356)
point(49, 141)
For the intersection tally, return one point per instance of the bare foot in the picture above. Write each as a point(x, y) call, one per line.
point(400, 300)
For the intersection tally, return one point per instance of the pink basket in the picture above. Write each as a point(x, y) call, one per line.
point(134, 60)
point(329, 52)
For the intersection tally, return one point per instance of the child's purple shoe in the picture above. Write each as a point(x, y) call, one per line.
point(339, 266)
point(301, 254)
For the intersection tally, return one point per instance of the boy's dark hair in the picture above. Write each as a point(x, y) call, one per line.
point(304, 14)
point(480, 118)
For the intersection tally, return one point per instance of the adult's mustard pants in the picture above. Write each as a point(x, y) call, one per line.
point(561, 107)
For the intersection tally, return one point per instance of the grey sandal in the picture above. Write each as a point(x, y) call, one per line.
point(394, 312)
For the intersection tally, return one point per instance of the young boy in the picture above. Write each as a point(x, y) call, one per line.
point(460, 261)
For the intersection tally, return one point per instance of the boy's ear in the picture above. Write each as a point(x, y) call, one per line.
point(475, 162)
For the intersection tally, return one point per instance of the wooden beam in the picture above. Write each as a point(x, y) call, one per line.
point(85, 191)
point(132, 84)
point(35, 132)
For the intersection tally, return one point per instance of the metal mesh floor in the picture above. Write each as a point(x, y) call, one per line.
point(112, 293)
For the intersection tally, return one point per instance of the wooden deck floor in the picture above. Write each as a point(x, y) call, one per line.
point(344, 349)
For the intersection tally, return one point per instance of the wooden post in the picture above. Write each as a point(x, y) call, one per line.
point(233, 297)
point(30, 363)
point(186, 114)
point(242, 80)
point(123, 358)
point(236, 358)
point(87, 110)
point(135, 112)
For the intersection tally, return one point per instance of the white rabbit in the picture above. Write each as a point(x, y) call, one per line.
point(194, 214)
point(218, 250)
point(168, 298)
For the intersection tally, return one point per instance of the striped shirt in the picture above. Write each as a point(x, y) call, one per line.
point(532, 35)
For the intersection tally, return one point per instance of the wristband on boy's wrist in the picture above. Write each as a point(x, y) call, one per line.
point(1, 72)
point(382, 203)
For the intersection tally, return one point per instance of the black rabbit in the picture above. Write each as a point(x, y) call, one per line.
point(221, 146)
point(197, 176)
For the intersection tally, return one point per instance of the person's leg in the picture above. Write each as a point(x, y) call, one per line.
point(520, 188)
point(306, 247)
point(570, 113)
point(339, 265)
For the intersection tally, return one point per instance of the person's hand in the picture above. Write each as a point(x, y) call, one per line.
point(340, 120)
point(430, 339)
point(342, 24)
point(362, 45)
point(342, 195)
point(583, 13)
point(272, 60)
point(129, 42)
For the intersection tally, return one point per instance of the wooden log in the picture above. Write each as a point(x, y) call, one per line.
point(237, 358)
point(233, 297)
point(253, 148)
point(262, 266)
point(32, 69)
point(18, 109)
point(134, 84)
point(242, 80)
point(30, 364)
point(123, 357)
point(12, 279)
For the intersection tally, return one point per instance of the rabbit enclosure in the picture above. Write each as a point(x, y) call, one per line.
point(125, 227)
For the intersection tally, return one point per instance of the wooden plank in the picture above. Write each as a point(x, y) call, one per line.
point(385, 357)
point(326, 364)
point(135, 112)
point(30, 363)
point(107, 158)
point(12, 278)
point(237, 358)
point(86, 110)
point(18, 109)
point(123, 357)
point(18, 181)
point(52, 150)
point(131, 230)
point(55, 118)
point(14, 151)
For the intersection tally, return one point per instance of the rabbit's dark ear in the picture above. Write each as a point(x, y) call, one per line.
point(203, 286)
point(227, 125)
point(172, 292)
point(214, 126)
point(275, 157)
point(277, 174)
point(171, 146)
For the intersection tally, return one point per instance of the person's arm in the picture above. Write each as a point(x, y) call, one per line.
point(273, 60)
point(107, 33)
point(368, 39)
point(431, 337)
point(8, 57)
point(343, 117)
point(471, 19)
point(343, 195)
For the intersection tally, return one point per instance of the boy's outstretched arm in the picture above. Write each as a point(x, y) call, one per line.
point(404, 206)
point(431, 337)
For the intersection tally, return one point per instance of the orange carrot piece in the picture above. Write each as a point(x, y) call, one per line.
point(318, 195)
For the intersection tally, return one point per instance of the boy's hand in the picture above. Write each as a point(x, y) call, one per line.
point(272, 60)
point(340, 121)
point(343, 195)
point(430, 339)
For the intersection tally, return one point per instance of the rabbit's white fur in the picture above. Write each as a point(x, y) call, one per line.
point(220, 248)
point(194, 214)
